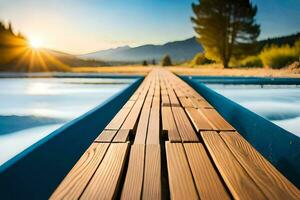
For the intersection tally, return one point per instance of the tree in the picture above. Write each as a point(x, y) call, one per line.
point(153, 62)
point(166, 61)
point(145, 63)
point(226, 28)
point(200, 59)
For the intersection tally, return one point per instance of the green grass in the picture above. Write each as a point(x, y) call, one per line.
point(277, 57)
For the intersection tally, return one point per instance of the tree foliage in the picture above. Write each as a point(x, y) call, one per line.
point(145, 63)
point(226, 28)
point(166, 61)
point(200, 59)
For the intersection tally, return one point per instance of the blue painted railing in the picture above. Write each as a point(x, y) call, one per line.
point(277, 145)
point(37, 171)
point(246, 80)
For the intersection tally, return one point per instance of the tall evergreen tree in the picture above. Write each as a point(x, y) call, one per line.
point(226, 28)
point(166, 61)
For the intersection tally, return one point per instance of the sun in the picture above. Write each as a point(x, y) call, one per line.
point(35, 43)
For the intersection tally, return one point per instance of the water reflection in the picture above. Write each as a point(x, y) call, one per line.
point(31, 108)
point(277, 103)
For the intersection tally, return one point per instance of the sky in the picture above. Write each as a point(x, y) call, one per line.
point(82, 26)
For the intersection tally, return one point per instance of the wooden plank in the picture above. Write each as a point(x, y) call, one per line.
point(152, 174)
point(75, 182)
point(185, 102)
point(168, 124)
point(204, 104)
point(132, 117)
point(122, 135)
point(273, 184)
point(198, 119)
point(236, 178)
point(165, 101)
point(207, 181)
point(129, 104)
point(118, 120)
point(132, 188)
point(184, 126)
point(141, 132)
point(179, 93)
point(106, 136)
point(173, 99)
point(181, 182)
point(105, 181)
point(153, 132)
point(216, 120)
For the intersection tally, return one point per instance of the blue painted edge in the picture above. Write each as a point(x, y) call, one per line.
point(277, 145)
point(245, 80)
point(37, 171)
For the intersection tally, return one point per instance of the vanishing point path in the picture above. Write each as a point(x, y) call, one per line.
point(168, 142)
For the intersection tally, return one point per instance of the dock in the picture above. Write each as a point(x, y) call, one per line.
point(166, 142)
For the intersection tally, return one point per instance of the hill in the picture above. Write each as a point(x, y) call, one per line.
point(178, 50)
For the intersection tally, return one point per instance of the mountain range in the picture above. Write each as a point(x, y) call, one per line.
point(178, 50)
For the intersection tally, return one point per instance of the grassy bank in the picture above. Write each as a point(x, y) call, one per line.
point(205, 70)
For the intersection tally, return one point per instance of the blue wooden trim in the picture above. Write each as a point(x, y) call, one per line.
point(244, 80)
point(65, 75)
point(36, 172)
point(277, 145)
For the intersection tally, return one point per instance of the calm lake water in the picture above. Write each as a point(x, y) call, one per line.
point(31, 108)
point(278, 103)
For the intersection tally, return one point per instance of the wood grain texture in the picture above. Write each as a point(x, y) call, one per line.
point(273, 184)
point(105, 182)
point(173, 99)
point(132, 117)
point(235, 176)
point(168, 124)
point(141, 132)
point(75, 182)
point(153, 133)
point(198, 119)
point(129, 104)
point(152, 174)
point(165, 101)
point(216, 120)
point(106, 136)
point(207, 181)
point(204, 104)
point(181, 182)
point(184, 126)
point(118, 120)
point(186, 102)
point(132, 188)
point(122, 135)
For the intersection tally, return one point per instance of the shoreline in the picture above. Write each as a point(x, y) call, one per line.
point(127, 71)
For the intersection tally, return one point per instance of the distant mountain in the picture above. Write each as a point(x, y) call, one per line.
point(178, 50)
point(72, 60)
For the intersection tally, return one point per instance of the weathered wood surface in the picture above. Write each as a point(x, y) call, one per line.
point(167, 141)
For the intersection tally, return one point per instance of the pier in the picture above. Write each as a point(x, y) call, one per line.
point(167, 141)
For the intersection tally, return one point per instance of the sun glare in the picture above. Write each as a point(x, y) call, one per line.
point(35, 43)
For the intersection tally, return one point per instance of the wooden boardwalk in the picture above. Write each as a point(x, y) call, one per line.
point(168, 142)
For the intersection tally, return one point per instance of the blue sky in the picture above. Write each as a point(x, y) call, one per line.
point(81, 26)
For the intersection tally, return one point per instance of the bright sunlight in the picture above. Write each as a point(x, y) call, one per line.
point(35, 43)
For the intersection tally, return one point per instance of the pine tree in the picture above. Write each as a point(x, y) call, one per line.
point(145, 63)
point(226, 28)
point(153, 62)
point(166, 61)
